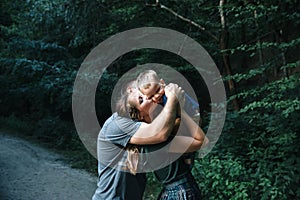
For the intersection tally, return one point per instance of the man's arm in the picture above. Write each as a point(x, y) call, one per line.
point(161, 127)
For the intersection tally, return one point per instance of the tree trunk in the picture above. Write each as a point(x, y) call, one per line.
point(225, 57)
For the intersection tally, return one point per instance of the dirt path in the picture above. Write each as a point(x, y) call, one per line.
point(29, 172)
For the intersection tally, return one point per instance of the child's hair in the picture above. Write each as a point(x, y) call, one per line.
point(145, 78)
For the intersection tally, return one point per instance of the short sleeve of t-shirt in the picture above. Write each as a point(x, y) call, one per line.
point(119, 130)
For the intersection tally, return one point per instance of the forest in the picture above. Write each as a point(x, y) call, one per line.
point(255, 45)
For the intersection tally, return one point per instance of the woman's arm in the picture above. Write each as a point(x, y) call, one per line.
point(190, 136)
point(160, 128)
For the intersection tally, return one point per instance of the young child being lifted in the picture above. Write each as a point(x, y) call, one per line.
point(152, 87)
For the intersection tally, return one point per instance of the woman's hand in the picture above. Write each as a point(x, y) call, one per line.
point(174, 93)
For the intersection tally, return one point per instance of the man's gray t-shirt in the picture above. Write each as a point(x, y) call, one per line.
point(114, 182)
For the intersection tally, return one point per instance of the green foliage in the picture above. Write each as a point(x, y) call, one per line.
point(14, 123)
point(222, 178)
point(261, 163)
point(152, 189)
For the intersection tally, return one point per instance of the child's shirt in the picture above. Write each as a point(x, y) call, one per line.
point(191, 106)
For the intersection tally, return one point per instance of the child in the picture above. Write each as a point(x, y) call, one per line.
point(153, 88)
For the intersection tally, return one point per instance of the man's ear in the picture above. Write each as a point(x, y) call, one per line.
point(162, 81)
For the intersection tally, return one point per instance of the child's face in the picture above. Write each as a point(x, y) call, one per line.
point(154, 91)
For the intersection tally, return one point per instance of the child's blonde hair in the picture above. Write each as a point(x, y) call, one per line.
point(145, 78)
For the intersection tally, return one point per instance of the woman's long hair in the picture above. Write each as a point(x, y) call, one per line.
point(123, 107)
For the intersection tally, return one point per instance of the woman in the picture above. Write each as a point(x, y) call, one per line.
point(176, 178)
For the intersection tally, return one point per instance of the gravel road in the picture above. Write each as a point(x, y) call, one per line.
point(29, 172)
